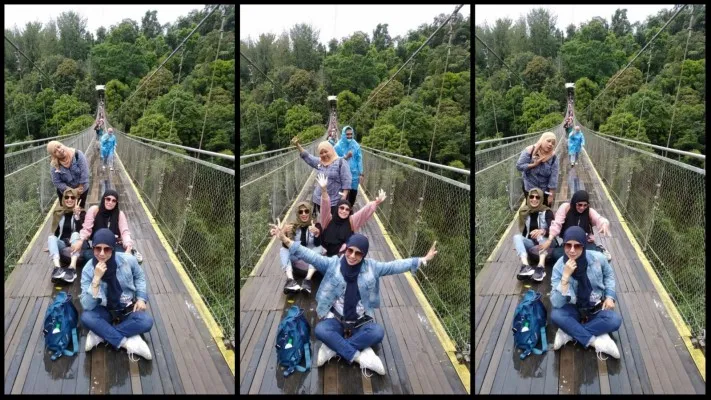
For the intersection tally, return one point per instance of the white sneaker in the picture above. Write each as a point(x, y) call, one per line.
point(136, 345)
point(92, 339)
point(324, 354)
point(605, 344)
point(371, 361)
point(561, 338)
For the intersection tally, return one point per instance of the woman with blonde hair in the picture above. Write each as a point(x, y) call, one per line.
point(539, 167)
point(336, 170)
point(68, 169)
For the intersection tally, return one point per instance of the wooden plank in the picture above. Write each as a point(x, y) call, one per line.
point(630, 353)
point(480, 302)
point(439, 383)
point(505, 379)
point(385, 385)
point(163, 354)
point(33, 359)
point(99, 384)
point(251, 361)
point(259, 375)
point(427, 378)
point(188, 346)
point(400, 381)
point(330, 378)
point(484, 320)
point(567, 383)
point(483, 342)
point(17, 325)
point(647, 367)
point(492, 348)
point(408, 365)
point(173, 331)
point(590, 383)
point(14, 357)
point(349, 378)
point(613, 374)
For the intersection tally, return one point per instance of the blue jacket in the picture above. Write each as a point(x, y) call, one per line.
point(108, 144)
point(576, 140)
point(356, 162)
point(333, 285)
point(130, 276)
point(601, 278)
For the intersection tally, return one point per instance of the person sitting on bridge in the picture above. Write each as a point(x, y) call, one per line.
point(534, 221)
point(576, 141)
point(113, 290)
point(339, 226)
point(304, 229)
point(578, 212)
point(107, 215)
point(334, 167)
point(68, 219)
point(349, 149)
point(68, 169)
point(108, 147)
point(539, 166)
point(348, 297)
point(583, 297)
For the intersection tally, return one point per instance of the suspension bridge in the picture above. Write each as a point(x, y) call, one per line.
point(178, 202)
point(425, 316)
point(642, 189)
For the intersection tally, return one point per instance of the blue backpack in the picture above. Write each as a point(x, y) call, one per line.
point(529, 324)
point(293, 341)
point(60, 326)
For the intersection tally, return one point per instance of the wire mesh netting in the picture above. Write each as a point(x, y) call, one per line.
point(663, 201)
point(422, 207)
point(193, 202)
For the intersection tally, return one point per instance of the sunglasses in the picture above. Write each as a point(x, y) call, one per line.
point(583, 205)
point(534, 196)
point(344, 208)
point(111, 200)
point(103, 249)
point(574, 246)
point(357, 253)
point(69, 197)
point(303, 212)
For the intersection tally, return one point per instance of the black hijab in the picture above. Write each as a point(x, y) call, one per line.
point(338, 230)
point(350, 274)
point(113, 288)
point(105, 218)
point(574, 218)
point(581, 271)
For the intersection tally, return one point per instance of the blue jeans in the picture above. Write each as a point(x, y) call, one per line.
point(573, 157)
point(522, 244)
point(330, 332)
point(55, 245)
point(292, 263)
point(98, 321)
point(107, 159)
point(568, 319)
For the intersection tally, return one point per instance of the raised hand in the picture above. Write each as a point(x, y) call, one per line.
point(381, 197)
point(433, 251)
point(77, 207)
point(313, 229)
point(605, 230)
point(295, 140)
point(322, 180)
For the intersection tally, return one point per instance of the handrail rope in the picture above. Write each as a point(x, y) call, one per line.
point(681, 72)
point(175, 100)
point(255, 66)
point(402, 130)
point(40, 140)
point(274, 151)
point(447, 167)
point(191, 149)
point(22, 89)
point(28, 59)
point(507, 138)
point(502, 61)
point(662, 148)
point(428, 173)
point(644, 98)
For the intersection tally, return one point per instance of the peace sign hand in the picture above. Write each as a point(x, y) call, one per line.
point(274, 230)
point(381, 197)
point(313, 229)
point(77, 208)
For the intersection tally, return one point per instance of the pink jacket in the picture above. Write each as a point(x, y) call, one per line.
point(357, 220)
point(89, 226)
point(595, 218)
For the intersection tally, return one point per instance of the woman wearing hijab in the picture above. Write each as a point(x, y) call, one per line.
point(534, 221)
point(539, 166)
point(108, 215)
point(334, 167)
point(349, 149)
point(578, 213)
point(339, 226)
point(113, 290)
point(68, 169)
point(583, 297)
point(68, 219)
point(304, 230)
point(347, 297)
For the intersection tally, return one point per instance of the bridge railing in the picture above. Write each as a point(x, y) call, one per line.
point(193, 203)
point(421, 207)
point(663, 200)
point(29, 193)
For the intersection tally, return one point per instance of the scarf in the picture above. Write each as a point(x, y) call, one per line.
point(581, 272)
point(299, 226)
point(350, 274)
point(53, 160)
point(574, 218)
point(62, 209)
point(538, 147)
point(105, 218)
point(331, 153)
point(337, 231)
point(113, 288)
point(527, 210)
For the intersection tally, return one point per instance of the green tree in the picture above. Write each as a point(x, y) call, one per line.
point(537, 71)
point(150, 27)
point(300, 83)
point(66, 109)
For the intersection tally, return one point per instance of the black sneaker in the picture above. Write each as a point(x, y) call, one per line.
point(69, 275)
point(539, 273)
point(306, 285)
point(291, 286)
point(58, 273)
point(525, 272)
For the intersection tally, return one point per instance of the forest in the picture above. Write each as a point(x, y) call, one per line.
point(666, 81)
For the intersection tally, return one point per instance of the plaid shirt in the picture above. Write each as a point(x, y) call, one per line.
point(338, 174)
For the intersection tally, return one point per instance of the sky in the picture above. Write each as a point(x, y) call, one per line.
point(567, 14)
point(96, 15)
point(338, 20)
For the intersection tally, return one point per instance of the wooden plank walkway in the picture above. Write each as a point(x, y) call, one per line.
point(415, 361)
point(653, 360)
point(179, 339)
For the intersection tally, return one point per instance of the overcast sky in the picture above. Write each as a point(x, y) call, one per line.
point(567, 14)
point(96, 15)
point(338, 21)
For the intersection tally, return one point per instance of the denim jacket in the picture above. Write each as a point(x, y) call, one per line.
point(600, 274)
point(130, 276)
point(333, 285)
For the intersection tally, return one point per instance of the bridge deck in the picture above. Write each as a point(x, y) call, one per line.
point(653, 357)
point(415, 361)
point(179, 339)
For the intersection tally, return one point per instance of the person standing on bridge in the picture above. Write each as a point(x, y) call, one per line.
point(583, 297)
point(576, 141)
point(534, 221)
point(539, 165)
point(108, 147)
point(335, 168)
point(347, 298)
point(349, 149)
point(68, 169)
